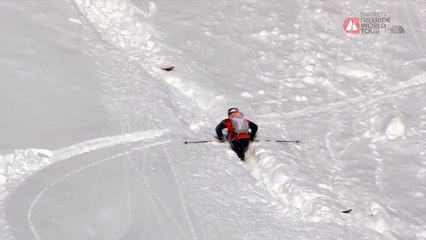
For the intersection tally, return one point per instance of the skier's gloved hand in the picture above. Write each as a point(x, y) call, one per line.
point(252, 137)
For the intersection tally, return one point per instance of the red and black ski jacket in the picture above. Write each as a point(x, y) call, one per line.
point(232, 136)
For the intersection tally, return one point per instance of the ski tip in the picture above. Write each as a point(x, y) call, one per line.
point(168, 68)
point(186, 142)
point(347, 211)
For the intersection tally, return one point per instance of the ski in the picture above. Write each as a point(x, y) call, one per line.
point(347, 211)
point(168, 68)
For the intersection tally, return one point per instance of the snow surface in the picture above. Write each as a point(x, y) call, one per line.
point(92, 130)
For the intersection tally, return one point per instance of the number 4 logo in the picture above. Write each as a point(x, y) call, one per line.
point(351, 25)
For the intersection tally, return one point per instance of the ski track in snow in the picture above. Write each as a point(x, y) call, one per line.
point(413, 85)
point(54, 183)
point(16, 168)
point(117, 23)
point(81, 148)
point(92, 145)
point(414, 32)
point(138, 39)
point(163, 205)
point(145, 181)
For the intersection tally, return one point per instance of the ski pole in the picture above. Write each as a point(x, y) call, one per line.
point(278, 141)
point(288, 141)
point(198, 141)
point(257, 140)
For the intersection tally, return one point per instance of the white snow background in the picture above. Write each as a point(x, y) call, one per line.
point(92, 130)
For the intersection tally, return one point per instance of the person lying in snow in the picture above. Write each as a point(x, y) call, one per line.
point(240, 131)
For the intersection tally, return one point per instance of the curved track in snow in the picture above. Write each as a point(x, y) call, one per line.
point(103, 158)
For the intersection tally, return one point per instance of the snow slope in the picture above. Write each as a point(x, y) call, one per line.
point(92, 138)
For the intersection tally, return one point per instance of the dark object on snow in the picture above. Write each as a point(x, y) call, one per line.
point(168, 69)
point(347, 211)
point(239, 136)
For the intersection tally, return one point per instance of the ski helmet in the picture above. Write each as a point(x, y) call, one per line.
point(231, 110)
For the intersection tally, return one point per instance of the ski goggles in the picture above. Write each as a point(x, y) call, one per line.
point(231, 110)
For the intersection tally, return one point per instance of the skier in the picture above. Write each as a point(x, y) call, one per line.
point(240, 131)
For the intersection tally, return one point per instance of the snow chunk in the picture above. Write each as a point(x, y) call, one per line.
point(395, 129)
point(382, 224)
point(375, 208)
point(20, 163)
point(246, 95)
point(355, 69)
point(381, 219)
point(324, 186)
point(195, 126)
point(152, 9)
point(309, 80)
point(3, 179)
point(419, 194)
point(263, 34)
point(73, 20)
point(300, 98)
point(309, 68)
